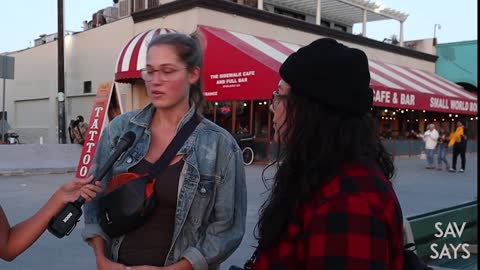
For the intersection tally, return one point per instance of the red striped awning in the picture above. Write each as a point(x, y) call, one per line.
point(132, 58)
point(239, 66)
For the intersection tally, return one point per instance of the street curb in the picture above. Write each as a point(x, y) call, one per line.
point(37, 171)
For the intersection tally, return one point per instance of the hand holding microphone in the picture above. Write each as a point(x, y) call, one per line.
point(66, 220)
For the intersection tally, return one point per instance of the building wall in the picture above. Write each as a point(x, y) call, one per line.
point(91, 56)
point(249, 26)
point(458, 62)
point(35, 85)
point(422, 45)
point(185, 21)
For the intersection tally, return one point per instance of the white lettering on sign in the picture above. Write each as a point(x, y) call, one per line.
point(459, 105)
point(232, 79)
point(67, 217)
point(90, 143)
point(407, 99)
point(209, 94)
point(440, 103)
point(97, 111)
point(452, 230)
point(95, 123)
point(382, 96)
point(473, 106)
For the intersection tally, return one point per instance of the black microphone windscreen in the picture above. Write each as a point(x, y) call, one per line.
point(129, 137)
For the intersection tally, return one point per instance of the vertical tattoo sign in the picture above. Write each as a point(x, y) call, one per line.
point(95, 126)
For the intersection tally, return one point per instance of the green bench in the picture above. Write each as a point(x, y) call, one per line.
point(446, 238)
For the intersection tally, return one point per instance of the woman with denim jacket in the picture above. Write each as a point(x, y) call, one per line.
point(201, 197)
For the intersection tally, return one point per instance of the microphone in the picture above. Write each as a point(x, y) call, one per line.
point(64, 223)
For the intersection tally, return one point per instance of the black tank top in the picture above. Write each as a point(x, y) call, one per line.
point(149, 244)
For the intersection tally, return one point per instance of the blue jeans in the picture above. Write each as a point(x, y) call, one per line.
point(442, 156)
point(430, 153)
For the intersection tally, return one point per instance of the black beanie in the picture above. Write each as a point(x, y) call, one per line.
point(331, 74)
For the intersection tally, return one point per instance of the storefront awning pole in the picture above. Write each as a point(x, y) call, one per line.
point(4, 118)
point(260, 4)
point(319, 12)
point(364, 24)
point(401, 33)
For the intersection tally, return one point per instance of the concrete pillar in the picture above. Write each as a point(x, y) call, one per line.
point(401, 34)
point(260, 4)
point(364, 23)
point(318, 17)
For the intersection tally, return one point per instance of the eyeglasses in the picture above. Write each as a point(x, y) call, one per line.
point(166, 73)
point(277, 97)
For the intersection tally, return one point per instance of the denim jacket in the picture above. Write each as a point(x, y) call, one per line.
point(211, 202)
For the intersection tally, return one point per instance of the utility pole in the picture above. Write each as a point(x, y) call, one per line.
point(61, 76)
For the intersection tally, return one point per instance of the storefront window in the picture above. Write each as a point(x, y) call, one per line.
point(243, 117)
point(209, 111)
point(260, 118)
point(224, 114)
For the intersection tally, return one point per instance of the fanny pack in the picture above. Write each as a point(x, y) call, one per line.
point(130, 198)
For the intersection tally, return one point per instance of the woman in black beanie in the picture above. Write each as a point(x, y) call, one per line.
point(332, 205)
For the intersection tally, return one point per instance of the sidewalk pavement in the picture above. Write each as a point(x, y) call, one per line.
point(25, 159)
point(419, 191)
point(28, 159)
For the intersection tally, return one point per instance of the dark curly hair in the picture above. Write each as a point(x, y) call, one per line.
point(317, 142)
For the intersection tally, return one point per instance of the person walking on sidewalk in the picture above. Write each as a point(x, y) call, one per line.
point(442, 149)
point(459, 142)
point(77, 130)
point(430, 138)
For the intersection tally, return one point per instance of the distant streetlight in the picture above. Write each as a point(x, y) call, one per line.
point(435, 33)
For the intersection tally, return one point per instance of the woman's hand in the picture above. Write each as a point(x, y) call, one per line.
point(71, 190)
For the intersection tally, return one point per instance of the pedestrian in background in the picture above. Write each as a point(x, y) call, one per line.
point(78, 129)
point(442, 149)
point(430, 138)
point(459, 142)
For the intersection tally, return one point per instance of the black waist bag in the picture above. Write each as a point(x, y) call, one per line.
point(128, 204)
point(130, 198)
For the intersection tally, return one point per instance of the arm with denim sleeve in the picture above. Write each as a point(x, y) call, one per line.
point(225, 233)
point(344, 233)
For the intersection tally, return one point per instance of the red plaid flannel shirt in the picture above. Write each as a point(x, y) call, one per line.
point(353, 222)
